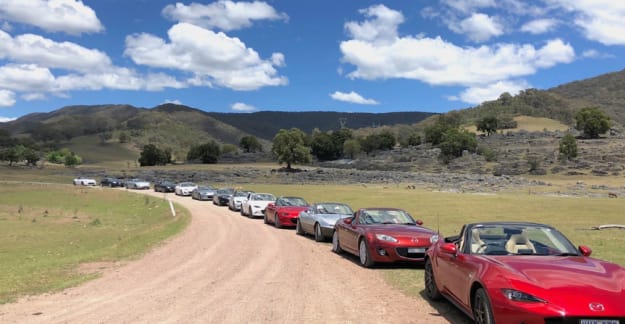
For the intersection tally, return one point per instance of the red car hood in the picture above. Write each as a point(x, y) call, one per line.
point(573, 282)
point(400, 230)
point(291, 209)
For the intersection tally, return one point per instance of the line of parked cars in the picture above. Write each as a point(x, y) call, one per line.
point(495, 272)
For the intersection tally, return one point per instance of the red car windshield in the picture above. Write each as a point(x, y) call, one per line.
point(385, 216)
point(504, 239)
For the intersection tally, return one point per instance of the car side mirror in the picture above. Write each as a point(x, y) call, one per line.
point(348, 220)
point(584, 250)
point(419, 222)
point(449, 248)
point(270, 205)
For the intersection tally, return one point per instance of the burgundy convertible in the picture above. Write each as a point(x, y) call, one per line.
point(505, 272)
point(382, 235)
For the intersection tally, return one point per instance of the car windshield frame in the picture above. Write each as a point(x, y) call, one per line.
point(516, 239)
point(385, 217)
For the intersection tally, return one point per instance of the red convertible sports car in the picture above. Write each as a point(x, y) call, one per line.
point(284, 211)
point(504, 272)
point(382, 235)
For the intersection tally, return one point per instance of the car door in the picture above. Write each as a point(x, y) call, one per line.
point(349, 239)
point(307, 219)
point(458, 270)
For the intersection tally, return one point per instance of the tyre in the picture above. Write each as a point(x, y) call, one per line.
point(363, 254)
point(298, 228)
point(249, 214)
point(482, 311)
point(276, 223)
point(241, 211)
point(336, 245)
point(431, 290)
point(318, 235)
point(265, 220)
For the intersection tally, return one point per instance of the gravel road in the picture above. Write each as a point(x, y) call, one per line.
point(225, 268)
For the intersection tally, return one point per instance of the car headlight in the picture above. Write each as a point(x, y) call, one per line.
point(384, 237)
point(433, 239)
point(520, 296)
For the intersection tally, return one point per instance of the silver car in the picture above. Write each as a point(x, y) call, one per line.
point(136, 183)
point(319, 219)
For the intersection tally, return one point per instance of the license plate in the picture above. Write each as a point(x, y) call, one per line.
point(598, 321)
point(416, 250)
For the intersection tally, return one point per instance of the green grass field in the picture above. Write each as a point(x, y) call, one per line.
point(48, 231)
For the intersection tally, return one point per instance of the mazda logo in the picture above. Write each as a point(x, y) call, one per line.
point(415, 240)
point(596, 307)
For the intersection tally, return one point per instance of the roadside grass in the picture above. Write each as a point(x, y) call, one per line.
point(48, 231)
point(447, 212)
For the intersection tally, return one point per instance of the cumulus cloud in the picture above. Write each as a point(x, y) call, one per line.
point(435, 61)
point(466, 6)
point(6, 119)
point(45, 52)
point(479, 27)
point(7, 98)
point(224, 14)
point(601, 21)
point(477, 95)
point(382, 27)
point(539, 26)
point(242, 107)
point(212, 57)
point(69, 16)
point(172, 101)
point(352, 97)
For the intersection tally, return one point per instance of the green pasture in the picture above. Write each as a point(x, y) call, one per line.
point(48, 230)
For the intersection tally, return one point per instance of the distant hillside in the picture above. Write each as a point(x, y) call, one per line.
point(265, 124)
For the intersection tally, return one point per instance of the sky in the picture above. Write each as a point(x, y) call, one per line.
point(298, 55)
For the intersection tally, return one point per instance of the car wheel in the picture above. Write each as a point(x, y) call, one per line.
point(298, 228)
point(276, 223)
point(241, 211)
point(110, 185)
point(431, 290)
point(265, 220)
point(363, 254)
point(482, 312)
point(318, 235)
point(336, 245)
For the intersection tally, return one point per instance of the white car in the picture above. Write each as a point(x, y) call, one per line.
point(84, 181)
point(185, 188)
point(136, 183)
point(255, 204)
point(238, 197)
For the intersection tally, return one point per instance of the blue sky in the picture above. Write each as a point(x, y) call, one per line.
point(298, 55)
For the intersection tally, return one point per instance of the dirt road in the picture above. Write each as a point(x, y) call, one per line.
point(226, 268)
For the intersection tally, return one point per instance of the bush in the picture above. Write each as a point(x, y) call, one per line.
point(568, 147)
point(455, 141)
point(152, 155)
point(488, 154)
point(207, 152)
point(592, 121)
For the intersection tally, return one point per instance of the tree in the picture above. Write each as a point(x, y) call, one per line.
point(455, 141)
point(289, 147)
point(207, 153)
point(31, 156)
point(592, 121)
point(351, 148)
point(324, 147)
point(488, 124)
point(123, 137)
point(250, 144)
point(152, 155)
point(568, 147)
point(71, 160)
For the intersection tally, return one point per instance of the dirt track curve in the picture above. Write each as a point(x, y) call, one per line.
point(225, 268)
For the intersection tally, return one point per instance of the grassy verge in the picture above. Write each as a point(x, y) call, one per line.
point(48, 231)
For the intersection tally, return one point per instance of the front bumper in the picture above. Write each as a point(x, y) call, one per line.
point(385, 252)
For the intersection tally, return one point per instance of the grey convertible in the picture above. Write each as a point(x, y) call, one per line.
point(319, 219)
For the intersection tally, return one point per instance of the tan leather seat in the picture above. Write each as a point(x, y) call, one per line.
point(519, 242)
point(477, 245)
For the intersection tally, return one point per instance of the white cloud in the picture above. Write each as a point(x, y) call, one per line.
point(467, 6)
point(242, 107)
point(600, 21)
point(44, 52)
point(7, 98)
point(6, 119)
point(352, 97)
point(437, 62)
point(212, 57)
point(172, 101)
point(68, 16)
point(477, 95)
point(540, 26)
point(381, 28)
point(479, 27)
point(26, 78)
point(223, 14)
